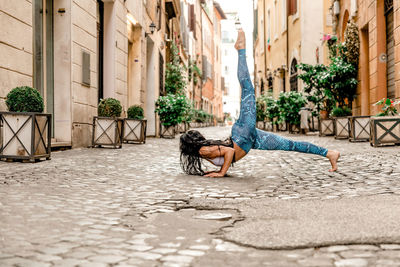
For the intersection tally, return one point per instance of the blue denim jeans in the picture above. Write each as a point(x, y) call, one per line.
point(244, 132)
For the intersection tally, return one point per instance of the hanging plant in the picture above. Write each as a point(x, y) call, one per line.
point(352, 43)
point(175, 80)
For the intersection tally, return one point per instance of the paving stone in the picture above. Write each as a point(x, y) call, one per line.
point(177, 259)
point(193, 253)
point(351, 263)
point(316, 262)
point(390, 246)
point(145, 255)
point(164, 250)
point(107, 258)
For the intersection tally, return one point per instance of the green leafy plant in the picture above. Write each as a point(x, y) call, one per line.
point(314, 79)
point(389, 107)
point(172, 109)
point(352, 43)
point(290, 104)
point(24, 99)
point(260, 108)
point(109, 107)
point(175, 80)
point(135, 112)
point(341, 112)
point(194, 72)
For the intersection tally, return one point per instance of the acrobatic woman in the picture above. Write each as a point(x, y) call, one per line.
point(245, 136)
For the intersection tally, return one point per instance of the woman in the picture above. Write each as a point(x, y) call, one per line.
point(194, 147)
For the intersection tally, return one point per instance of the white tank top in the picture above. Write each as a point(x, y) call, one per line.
point(218, 161)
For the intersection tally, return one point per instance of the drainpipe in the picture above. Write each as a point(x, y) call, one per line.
point(287, 50)
point(201, 80)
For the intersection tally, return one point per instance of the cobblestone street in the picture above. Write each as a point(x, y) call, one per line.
point(134, 207)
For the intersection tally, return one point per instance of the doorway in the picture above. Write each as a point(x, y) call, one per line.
point(151, 93)
point(389, 14)
point(43, 49)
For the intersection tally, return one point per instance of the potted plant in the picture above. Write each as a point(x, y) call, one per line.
point(108, 126)
point(172, 110)
point(272, 113)
point(342, 124)
point(290, 104)
point(385, 127)
point(135, 125)
point(360, 129)
point(26, 130)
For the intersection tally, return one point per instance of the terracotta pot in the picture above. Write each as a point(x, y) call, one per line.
point(323, 114)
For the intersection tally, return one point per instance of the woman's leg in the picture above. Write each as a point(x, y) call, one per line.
point(244, 129)
point(270, 141)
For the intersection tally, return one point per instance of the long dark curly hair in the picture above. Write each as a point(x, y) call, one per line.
point(190, 144)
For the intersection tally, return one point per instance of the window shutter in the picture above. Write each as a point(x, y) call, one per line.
point(292, 7)
point(192, 20)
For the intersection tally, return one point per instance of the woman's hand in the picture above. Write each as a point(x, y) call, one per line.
point(215, 175)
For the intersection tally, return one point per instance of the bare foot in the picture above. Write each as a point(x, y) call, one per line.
point(333, 157)
point(241, 40)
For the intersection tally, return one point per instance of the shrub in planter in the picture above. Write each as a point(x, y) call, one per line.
point(109, 107)
point(290, 104)
point(172, 110)
point(385, 127)
point(26, 131)
point(135, 125)
point(107, 126)
point(272, 113)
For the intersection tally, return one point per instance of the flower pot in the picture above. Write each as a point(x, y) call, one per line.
point(107, 132)
point(385, 130)
point(25, 135)
point(326, 127)
point(134, 131)
point(324, 114)
point(360, 129)
point(314, 124)
point(168, 132)
point(342, 128)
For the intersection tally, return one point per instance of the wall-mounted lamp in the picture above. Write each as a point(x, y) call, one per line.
point(152, 29)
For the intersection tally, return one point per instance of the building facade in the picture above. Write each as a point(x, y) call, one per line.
point(78, 52)
point(287, 33)
point(379, 29)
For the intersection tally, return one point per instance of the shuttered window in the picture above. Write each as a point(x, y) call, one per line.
point(292, 7)
point(192, 20)
point(390, 49)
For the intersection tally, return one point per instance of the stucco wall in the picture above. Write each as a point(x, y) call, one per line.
point(84, 98)
point(16, 66)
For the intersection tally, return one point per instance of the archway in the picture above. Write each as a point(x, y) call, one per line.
point(293, 76)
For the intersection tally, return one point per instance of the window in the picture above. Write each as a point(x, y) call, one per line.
point(284, 14)
point(293, 76)
point(276, 19)
point(269, 27)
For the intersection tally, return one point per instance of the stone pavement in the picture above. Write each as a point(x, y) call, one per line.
point(134, 207)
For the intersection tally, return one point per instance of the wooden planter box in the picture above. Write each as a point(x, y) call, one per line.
point(385, 130)
point(282, 127)
point(260, 125)
point(134, 131)
point(107, 132)
point(25, 135)
point(293, 128)
point(326, 127)
point(182, 127)
point(168, 132)
point(342, 128)
point(360, 129)
point(269, 126)
point(314, 124)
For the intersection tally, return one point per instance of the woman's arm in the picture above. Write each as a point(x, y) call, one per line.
point(227, 153)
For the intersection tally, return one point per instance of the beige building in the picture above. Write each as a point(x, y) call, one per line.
point(78, 52)
point(379, 29)
point(287, 33)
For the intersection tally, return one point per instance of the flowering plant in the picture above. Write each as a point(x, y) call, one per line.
point(389, 108)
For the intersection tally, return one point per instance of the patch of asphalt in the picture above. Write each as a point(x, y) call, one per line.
point(295, 224)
